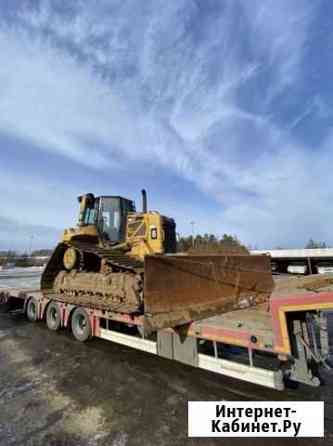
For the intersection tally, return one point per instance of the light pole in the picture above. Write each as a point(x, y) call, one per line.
point(192, 223)
point(30, 244)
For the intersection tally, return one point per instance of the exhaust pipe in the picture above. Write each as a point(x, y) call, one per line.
point(144, 201)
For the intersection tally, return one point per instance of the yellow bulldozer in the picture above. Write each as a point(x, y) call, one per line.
point(121, 260)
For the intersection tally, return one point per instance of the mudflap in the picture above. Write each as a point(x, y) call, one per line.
point(181, 288)
point(172, 345)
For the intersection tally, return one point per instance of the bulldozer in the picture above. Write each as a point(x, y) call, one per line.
point(120, 260)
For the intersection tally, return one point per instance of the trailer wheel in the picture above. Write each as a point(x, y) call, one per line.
point(80, 323)
point(32, 310)
point(53, 316)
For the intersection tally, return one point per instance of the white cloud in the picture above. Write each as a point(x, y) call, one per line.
point(17, 235)
point(162, 83)
point(279, 32)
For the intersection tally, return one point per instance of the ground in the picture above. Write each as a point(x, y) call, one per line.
point(56, 391)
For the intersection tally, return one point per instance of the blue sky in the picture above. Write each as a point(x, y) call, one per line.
point(222, 109)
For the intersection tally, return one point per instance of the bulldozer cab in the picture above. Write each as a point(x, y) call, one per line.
point(108, 214)
point(112, 219)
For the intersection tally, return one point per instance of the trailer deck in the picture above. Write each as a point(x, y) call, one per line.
point(261, 345)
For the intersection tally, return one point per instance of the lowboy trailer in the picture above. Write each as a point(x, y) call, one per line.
point(270, 344)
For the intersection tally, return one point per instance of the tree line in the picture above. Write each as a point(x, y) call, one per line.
point(210, 243)
point(198, 244)
point(23, 259)
point(311, 244)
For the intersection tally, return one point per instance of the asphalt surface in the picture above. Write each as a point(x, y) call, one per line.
point(57, 391)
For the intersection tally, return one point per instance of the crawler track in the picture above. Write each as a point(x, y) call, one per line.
point(104, 278)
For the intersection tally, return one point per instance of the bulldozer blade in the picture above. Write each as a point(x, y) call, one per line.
point(180, 289)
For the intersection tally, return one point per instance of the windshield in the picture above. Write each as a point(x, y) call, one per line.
point(110, 218)
point(90, 216)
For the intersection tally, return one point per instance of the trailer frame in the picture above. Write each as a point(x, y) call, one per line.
point(272, 330)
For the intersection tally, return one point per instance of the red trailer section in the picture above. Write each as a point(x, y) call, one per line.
point(285, 339)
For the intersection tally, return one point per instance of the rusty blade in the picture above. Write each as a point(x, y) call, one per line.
point(181, 289)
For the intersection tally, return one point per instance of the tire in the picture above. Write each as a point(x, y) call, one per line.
point(80, 324)
point(32, 310)
point(53, 316)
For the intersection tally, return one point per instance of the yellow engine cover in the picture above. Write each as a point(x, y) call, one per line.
point(145, 234)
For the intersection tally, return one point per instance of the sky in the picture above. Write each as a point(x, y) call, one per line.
point(221, 109)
